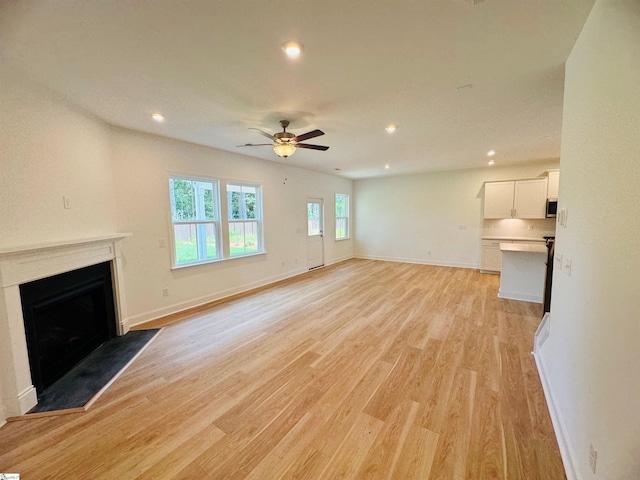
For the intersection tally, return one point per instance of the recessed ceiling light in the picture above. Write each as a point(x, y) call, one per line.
point(158, 117)
point(387, 166)
point(391, 128)
point(292, 49)
point(491, 153)
point(491, 162)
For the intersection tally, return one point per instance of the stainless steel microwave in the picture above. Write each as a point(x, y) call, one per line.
point(552, 207)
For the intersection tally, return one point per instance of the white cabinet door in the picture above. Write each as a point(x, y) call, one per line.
point(498, 199)
point(554, 184)
point(530, 198)
point(491, 259)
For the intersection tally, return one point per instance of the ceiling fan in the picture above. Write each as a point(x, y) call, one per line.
point(285, 143)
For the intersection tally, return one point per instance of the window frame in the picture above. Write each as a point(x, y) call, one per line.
point(346, 218)
point(220, 221)
point(216, 221)
point(258, 220)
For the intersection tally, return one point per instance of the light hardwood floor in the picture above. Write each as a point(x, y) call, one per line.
point(365, 369)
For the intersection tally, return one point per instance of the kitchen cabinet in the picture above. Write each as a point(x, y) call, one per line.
point(491, 260)
point(554, 184)
point(498, 199)
point(516, 198)
point(491, 256)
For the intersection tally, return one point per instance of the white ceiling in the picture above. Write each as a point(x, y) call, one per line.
point(215, 68)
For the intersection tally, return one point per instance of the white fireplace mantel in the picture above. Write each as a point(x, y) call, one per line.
point(23, 264)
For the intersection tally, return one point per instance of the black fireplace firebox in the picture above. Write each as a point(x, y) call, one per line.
point(66, 317)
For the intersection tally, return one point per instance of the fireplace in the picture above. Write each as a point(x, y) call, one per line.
point(23, 265)
point(66, 316)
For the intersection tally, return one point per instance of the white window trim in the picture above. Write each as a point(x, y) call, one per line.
point(216, 221)
point(348, 218)
point(259, 220)
point(221, 221)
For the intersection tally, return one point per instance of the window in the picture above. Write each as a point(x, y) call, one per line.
point(314, 210)
point(342, 216)
point(200, 221)
point(244, 213)
point(195, 218)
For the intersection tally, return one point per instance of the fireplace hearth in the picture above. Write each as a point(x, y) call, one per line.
point(66, 316)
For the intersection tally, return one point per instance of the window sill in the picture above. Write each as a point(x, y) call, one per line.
point(217, 260)
point(342, 239)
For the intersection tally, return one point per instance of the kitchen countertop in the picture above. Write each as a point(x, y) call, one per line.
point(519, 239)
point(523, 247)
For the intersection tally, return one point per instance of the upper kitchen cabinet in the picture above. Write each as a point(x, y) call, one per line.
point(516, 199)
point(554, 184)
point(498, 199)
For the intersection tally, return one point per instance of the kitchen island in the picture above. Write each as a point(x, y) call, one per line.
point(523, 271)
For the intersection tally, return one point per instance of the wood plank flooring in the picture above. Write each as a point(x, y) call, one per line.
point(362, 370)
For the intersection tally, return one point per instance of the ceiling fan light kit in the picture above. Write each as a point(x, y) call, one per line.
point(292, 49)
point(284, 150)
point(285, 143)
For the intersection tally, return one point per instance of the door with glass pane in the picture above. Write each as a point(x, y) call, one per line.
point(315, 233)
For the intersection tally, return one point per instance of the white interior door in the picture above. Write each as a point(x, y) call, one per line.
point(315, 233)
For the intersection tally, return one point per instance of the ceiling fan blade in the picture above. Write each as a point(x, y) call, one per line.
point(268, 135)
point(312, 147)
point(255, 145)
point(308, 135)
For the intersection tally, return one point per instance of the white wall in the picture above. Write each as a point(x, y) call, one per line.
point(143, 163)
point(116, 181)
point(591, 359)
point(50, 149)
point(404, 218)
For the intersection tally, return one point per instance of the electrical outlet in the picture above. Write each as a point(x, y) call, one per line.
point(67, 202)
point(165, 292)
point(593, 458)
point(530, 227)
point(162, 242)
point(429, 252)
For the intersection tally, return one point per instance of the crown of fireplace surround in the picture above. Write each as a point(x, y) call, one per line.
point(27, 263)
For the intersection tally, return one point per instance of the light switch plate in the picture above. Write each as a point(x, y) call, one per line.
point(567, 266)
point(562, 217)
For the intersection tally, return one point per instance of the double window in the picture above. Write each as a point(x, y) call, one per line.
point(205, 229)
point(342, 216)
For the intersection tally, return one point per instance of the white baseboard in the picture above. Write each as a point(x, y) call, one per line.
point(520, 296)
point(18, 405)
point(196, 302)
point(28, 399)
point(566, 452)
point(419, 261)
point(339, 260)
